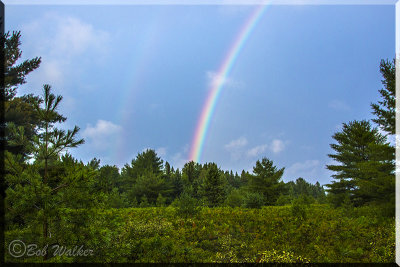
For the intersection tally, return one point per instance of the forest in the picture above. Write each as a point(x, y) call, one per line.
point(60, 209)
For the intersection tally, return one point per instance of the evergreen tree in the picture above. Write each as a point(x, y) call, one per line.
point(107, 179)
point(51, 141)
point(352, 151)
point(167, 169)
point(385, 109)
point(42, 183)
point(267, 181)
point(14, 75)
point(176, 184)
point(19, 111)
point(377, 185)
point(213, 187)
point(160, 202)
point(191, 171)
point(150, 185)
point(144, 163)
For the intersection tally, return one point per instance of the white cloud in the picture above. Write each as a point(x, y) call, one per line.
point(75, 37)
point(214, 79)
point(179, 159)
point(235, 147)
point(277, 145)
point(306, 169)
point(339, 105)
point(256, 151)
point(237, 143)
point(161, 151)
point(61, 42)
point(51, 72)
point(103, 135)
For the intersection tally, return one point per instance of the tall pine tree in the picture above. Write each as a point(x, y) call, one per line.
point(385, 109)
point(266, 180)
point(352, 152)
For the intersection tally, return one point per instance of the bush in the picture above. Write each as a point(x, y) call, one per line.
point(253, 200)
point(273, 256)
point(186, 205)
point(283, 200)
point(160, 202)
point(235, 198)
point(144, 203)
point(299, 208)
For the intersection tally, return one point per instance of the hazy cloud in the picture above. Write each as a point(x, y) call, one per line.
point(339, 105)
point(235, 147)
point(214, 79)
point(161, 151)
point(103, 135)
point(256, 151)
point(306, 169)
point(179, 159)
point(62, 41)
point(237, 143)
point(277, 145)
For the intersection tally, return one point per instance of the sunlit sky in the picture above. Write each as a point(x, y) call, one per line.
point(137, 77)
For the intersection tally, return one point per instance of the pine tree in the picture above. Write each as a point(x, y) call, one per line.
point(213, 186)
point(144, 163)
point(377, 185)
point(14, 75)
point(19, 111)
point(150, 184)
point(42, 183)
point(267, 181)
point(107, 178)
point(385, 109)
point(353, 149)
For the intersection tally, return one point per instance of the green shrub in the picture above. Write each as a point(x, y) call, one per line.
point(253, 200)
point(160, 202)
point(283, 200)
point(234, 198)
point(186, 205)
point(298, 209)
point(273, 256)
point(144, 202)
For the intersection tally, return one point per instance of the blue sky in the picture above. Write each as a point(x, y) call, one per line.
point(136, 77)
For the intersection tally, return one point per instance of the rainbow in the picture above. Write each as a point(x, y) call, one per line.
point(216, 87)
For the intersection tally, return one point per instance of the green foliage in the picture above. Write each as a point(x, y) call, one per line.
point(14, 74)
point(284, 200)
point(117, 200)
point(186, 205)
point(299, 207)
point(267, 181)
point(213, 186)
point(362, 152)
point(273, 256)
point(144, 203)
point(107, 179)
point(385, 109)
point(146, 162)
point(270, 234)
point(160, 201)
point(37, 190)
point(253, 200)
point(151, 185)
point(235, 198)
